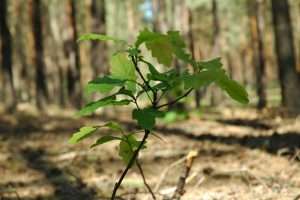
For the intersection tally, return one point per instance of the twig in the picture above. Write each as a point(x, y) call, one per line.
point(176, 100)
point(17, 195)
point(130, 193)
point(132, 160)
point(165, 172)
point(161, 96)
point(135, 62)
point(144, 89)
point(182, 180)
point(297, 197)
point(144, 179)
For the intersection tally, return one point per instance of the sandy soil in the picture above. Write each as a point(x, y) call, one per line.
point(241, 155)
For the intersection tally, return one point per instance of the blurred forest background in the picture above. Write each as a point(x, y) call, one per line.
point(245, 152)
point(42, 64)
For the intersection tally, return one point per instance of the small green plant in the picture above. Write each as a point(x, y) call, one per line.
point(132, 77)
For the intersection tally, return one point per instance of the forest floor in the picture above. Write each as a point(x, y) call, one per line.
point(242, 155)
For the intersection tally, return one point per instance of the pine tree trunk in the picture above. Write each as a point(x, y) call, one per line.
point(256, 29)
point(20, 46)
point(284, 43)
point(6, 51)
point(216, 29)
point(98, 49)
point(160, 22)
point(215, 94)
point(74, 78)
point(190, 36)
point(40, 68)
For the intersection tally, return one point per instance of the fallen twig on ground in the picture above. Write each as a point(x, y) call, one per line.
point(165, 172)
point(182, 180)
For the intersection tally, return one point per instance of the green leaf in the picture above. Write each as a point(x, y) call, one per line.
point(233, 89)
point(99, 37)
point(105, 139)
point(123, 68)
point(179, 46)
point(84, 132)
point(125, 92)
point(103, 84)
point(151, 68)
point(161, 86)
point(164, 46)
point(174, 116)
point(202, 78)
point(114, 126)
point(146, 117)
point(145, 36)
point(93, 106)
point(210, 64)
point(154, 74)
point(125, 151)
point(161, 49)
point(127, 146)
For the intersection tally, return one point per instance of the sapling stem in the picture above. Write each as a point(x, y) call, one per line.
point(144, 179)
point(130, 163)
point(176, 100)
point(133, 159)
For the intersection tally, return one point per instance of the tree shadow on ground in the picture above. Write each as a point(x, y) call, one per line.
point(26, 125)
point(289, 141)
point(66, 187)
point(252, 123)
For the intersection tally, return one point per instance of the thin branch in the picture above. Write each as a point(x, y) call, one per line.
point(144, 179)
point(143, 88)
point(135, 102)
point(141, 192)
point(176, 100)
point(161, 96)
point(135, 62)
point(139, 84)
point(165, 172)
point(131, 161)
point(185, 173)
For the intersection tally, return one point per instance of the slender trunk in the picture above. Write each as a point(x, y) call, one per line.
point(244, 66)
point(40, 68)
point(74, 79)
point(160, 22)
point(256, 29)
point(155, 11)
point(215, 94)
point(131, 19)
point(284, 43)
point(6, 50)
point(216, 29)
point(190, 36)
point(20, 43)
point(98, 49)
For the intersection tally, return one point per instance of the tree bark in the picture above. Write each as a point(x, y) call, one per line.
point(160, 22)
point(40, 68)
point(73, 72)
point(215, 97)
point(191, 40)
point(98, 49)
point(6, 51)
point(20, 45)
point(284, 44)
point(256, 29)
point(216, 29)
